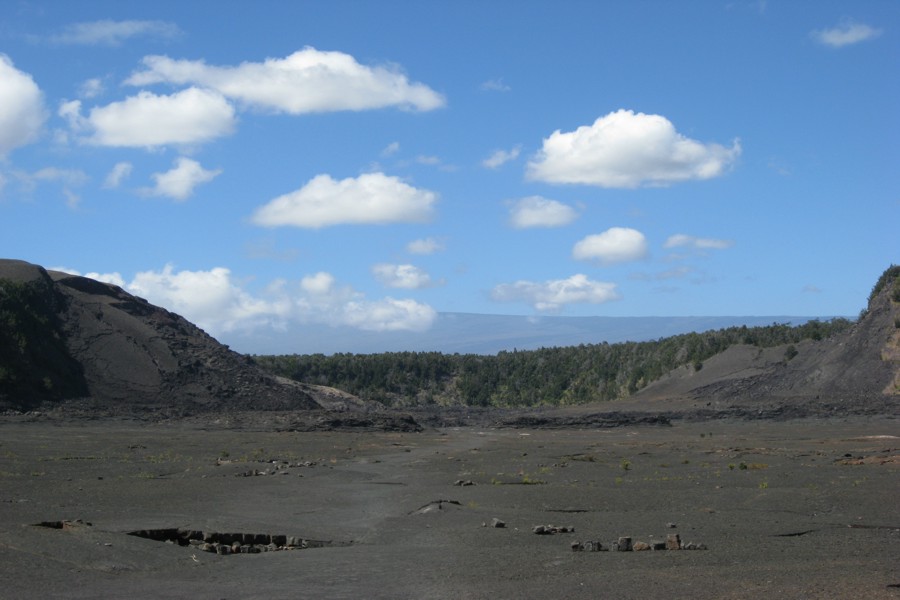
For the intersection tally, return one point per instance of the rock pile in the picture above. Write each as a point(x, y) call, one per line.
point(551, 529)
point(625, 544)
point(76, 524)
point(231, 543)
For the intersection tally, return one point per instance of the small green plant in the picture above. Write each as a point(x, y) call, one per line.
point(731, 466)
point(790, 352)
point(763, 485)
point(619, 480)
point(529, 480)
point(625, 464)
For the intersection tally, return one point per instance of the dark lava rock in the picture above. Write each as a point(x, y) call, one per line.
point(95, 350)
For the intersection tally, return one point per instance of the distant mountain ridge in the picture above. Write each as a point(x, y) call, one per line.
point(472, 333)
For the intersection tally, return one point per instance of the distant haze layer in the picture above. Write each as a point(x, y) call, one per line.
point(467, 333)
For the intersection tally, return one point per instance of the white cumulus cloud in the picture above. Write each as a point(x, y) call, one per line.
point(537, 211)
point(554, 294)
point(112, 33)
point(681, 240)
point(191, 116)
point(322, 300)
point(625, 149)
point(22, 112)
point(114, 278)
point(211, 299)
point(408, 277)
point(306, 81)
point(613, 246)
point(180, 181)
point(845, 34)
point(218, 302)
point(372, 198)
point(389, 314)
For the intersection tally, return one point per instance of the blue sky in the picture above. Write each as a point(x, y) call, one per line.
point(270, 166)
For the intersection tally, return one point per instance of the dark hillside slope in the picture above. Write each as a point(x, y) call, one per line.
point(66, 337)
point(857, 366)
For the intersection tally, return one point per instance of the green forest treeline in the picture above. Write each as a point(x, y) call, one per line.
point(548, 376)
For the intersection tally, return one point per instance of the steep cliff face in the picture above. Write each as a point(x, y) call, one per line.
point(70, 337)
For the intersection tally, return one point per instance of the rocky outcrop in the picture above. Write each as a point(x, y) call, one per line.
point(856, 369)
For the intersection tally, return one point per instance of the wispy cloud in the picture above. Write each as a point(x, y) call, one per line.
point(537, 211)
point(406, 276)
point(119, 173)
point(681, 240)
point(390, 149)
point(113, 33)
point(501, 157)
point(846, 33)
point(425, 246)
point(495, 85)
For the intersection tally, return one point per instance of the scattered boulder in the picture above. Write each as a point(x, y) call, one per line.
point(640, 546)
point(623, 544)
point(551, 529)
point(587, 546)
point(673, 541)
point(693, 546)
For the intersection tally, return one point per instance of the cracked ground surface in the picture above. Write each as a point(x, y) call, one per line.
point(803, 508)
